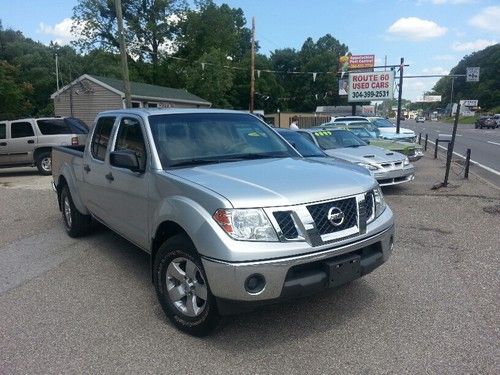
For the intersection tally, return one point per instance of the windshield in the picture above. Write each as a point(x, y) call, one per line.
point(361, 133)
point(200, 138)
point(328, 140)
point(383, 123)
point(305, 147)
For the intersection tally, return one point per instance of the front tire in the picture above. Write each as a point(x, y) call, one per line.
point(44, 163)
point(182, 287)
point(75, 223)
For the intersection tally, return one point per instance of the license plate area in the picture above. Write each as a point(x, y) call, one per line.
point(343, 269)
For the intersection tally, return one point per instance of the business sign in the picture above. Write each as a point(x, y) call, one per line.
point(343, 86)
point(364, 87)
point(361, 62)
point(431, 98)
point(472, 74)
point(469, 103)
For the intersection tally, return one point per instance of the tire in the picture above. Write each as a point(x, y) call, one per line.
point(75, 223)
point(44, 163)
point(195, 312)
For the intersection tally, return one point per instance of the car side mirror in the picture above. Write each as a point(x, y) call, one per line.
point(125, 159)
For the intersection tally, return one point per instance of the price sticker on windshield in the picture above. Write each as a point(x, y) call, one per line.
point(364, 87)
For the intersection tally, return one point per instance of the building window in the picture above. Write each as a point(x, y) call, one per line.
point(152, 105)
point(136, 104)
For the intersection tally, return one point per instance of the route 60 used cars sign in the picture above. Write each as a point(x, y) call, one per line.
point(364, 87)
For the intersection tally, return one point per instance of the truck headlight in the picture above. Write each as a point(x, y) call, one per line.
point(370, 167)
point(249, 224)
point(379, 201)
point(406, 162)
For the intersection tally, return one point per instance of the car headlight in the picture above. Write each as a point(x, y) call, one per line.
point(406, 162)
point(250, 224)
point(379, 201)
point(370, 167)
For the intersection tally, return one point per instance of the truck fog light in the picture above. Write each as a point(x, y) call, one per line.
point(255, 283)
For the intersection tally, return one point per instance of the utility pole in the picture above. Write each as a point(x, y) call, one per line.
point(57, 72)
point(400, 94)
point(451, 93)
point(451, 146)
point(123, 53)
point(252, 73)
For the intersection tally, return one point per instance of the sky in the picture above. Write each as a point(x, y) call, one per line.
point(431, 35)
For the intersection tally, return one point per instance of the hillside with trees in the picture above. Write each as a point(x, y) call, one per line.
point(204, 49)
point(487, 90)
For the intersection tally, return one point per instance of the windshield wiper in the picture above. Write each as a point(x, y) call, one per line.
point(195, 162)
point(354, 146)
point(258, 156)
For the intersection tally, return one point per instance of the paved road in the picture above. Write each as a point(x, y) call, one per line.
point(484, 143)
point(88, 306)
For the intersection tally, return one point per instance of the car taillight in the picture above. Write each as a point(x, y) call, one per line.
point(74, 141)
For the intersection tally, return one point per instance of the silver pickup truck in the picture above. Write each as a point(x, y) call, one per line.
point(232, 216)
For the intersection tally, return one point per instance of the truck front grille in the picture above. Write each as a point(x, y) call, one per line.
point(369, 205)
point(319, 213)
point(286, 224)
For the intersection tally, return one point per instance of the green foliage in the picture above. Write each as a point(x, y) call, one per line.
point(13, 95)
point(487, 90)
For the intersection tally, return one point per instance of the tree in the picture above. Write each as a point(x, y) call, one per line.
point(13, 96)
point(213, 27)
point(211, 81)
point(487, 90)
point(149, 26)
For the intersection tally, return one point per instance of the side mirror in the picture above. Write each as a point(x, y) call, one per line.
point(367, 142)
point(125, 159)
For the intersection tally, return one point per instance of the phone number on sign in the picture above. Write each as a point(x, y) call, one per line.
point(371, 94)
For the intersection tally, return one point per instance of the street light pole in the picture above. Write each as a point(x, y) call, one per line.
point(252, 73)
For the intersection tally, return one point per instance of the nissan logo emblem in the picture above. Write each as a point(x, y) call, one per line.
point(335, 216)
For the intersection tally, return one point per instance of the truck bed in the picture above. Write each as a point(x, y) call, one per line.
point(67, 158)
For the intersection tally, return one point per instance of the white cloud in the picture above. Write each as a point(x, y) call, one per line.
point(60, 32)
point(435, 70)
point(476, 45)
point(416, 29)
point(444, 58)
point(487, 19)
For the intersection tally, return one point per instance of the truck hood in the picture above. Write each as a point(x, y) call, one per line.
point(365, 154)
point(393, 130)
point(277, 182)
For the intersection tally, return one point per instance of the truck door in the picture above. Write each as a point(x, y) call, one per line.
point(22, 142)
point(130, 189)
point(96, 186)
point(4, 155)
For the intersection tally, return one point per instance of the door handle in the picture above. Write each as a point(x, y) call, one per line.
point(3, 143)
point(109, 177)
point(86, 168)
point(31, 141)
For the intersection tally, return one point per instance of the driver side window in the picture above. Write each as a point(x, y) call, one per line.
point(130, 138)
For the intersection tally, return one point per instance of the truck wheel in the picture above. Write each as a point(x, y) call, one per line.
point(44, 163)
point(182, 287)
point(76, 224)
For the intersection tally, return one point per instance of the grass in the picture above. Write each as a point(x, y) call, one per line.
point(461, 120)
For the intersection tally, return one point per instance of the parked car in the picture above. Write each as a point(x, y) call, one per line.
point(420, 119)
point(389, 167)
point(30, 141)
point(387, 129)
point(232, 215)
point(497, 119)
point(413, 151)
point(310, 151)
point(485, 122)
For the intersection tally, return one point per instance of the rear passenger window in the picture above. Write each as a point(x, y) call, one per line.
point(3, 131)
point(130, 138)
point(52, 127)
point(101, 136)
point(21, 130)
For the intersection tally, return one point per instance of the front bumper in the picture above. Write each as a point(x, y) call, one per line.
point(395, 176)
point(293, 276)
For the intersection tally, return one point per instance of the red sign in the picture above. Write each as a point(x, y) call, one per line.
point(361, 61)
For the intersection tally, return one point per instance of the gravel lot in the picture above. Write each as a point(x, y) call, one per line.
point(88, 305)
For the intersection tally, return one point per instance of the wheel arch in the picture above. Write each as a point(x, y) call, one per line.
point(40, 150)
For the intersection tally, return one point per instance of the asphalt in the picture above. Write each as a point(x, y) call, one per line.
point(88, 306)
point(484, 144)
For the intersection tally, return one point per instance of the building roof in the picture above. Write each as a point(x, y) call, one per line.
point(140, 90)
